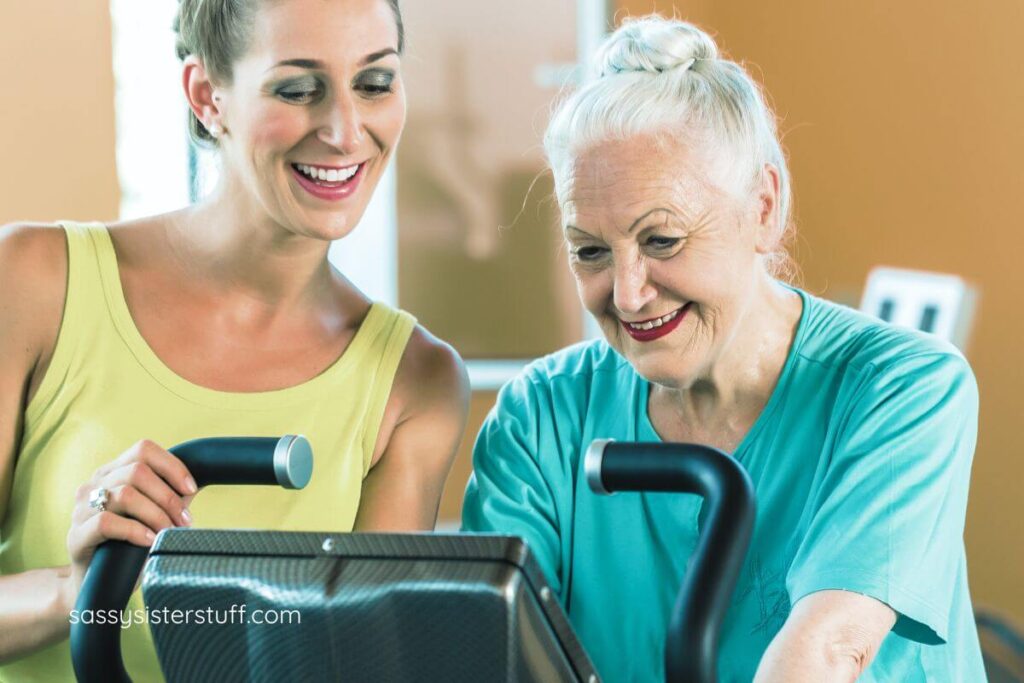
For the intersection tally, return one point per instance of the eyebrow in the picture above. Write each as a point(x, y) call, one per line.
point(379, 54)
point(647, 215)
point(317, 64)
point(632, 227)
point(575, 229)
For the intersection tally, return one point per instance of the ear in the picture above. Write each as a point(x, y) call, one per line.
point(202, 94)
point(768, 210)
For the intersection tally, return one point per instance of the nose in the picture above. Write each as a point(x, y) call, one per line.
point(342, 126)
point(632, 289)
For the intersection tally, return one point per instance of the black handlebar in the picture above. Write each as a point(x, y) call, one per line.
point(691, 645)
point(115, 566)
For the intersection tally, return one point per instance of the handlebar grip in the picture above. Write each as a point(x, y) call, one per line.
point(691, 644)
point(116, 565)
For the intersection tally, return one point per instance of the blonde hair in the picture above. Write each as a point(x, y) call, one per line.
point(665, 76)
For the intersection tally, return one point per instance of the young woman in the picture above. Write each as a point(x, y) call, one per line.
point(225, 318)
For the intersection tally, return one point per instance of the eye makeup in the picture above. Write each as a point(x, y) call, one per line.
point(375, 81)
point(298, 90)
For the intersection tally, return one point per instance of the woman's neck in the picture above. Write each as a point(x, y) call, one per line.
point(226, 242)
point(732, 393)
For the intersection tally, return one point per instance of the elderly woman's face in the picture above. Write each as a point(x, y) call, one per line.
point(663, 259)
point(315, 111)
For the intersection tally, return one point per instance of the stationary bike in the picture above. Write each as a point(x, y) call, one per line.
point(397, 607)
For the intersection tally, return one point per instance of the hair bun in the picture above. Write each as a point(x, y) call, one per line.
point(653, 45)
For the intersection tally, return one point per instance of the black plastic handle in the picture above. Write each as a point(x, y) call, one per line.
point(691, 644)
point(115, 567)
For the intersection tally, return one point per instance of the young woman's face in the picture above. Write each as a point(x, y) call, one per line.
point(314, 112)
point(664, 260)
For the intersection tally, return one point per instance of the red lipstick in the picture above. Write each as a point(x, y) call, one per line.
point(655, 332)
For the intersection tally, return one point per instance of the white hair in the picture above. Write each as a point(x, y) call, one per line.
point(665, 76)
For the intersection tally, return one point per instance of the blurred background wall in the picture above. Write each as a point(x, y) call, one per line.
point(903, 126)
point(57, 111)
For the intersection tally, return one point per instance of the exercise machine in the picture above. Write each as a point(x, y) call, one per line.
point(406, 607)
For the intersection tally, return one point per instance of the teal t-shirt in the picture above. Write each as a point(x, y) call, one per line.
point(860, 461)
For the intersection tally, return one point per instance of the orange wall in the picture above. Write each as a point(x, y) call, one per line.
point(57, 111)
point(903, 122)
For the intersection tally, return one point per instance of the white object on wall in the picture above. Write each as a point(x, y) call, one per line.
point(935, 303)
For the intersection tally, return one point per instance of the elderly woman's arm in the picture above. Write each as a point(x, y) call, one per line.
point(521, 483)
point(883, 549)
point(829, 636)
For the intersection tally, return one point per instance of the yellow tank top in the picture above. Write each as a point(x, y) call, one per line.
point(105, 389)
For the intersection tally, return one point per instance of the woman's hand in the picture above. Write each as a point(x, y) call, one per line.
point(147, 489)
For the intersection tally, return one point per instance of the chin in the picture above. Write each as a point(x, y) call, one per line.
point(323, 221)
point(336, 231)
point(327, 226)
point(655, 372)
point(663, 366)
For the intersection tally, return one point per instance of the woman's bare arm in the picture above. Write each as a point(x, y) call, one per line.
point(430, 401)
point(830, 635)
point(34, 605)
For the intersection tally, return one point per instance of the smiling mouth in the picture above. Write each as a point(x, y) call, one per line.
point(327, 176)
point(655, 322)
point(655, 328)
point(329, 183)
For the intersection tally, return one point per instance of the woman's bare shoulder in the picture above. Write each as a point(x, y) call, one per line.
point(432, 375)
point(429, 401)
point(33, 271)
point(32, 240)
point(33, 285)
point(141, 242)
point(430, 386)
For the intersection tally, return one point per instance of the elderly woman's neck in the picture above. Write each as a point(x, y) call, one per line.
point(721, 406)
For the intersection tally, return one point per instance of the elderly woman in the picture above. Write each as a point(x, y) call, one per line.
point(858, 437)
point(225, 318)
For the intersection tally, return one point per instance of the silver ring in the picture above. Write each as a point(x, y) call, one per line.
point(98, 499)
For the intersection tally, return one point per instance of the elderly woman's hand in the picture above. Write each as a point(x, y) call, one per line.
point(146, 489)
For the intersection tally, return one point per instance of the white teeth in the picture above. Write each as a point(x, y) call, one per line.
point(332, 175)
point(657, 322)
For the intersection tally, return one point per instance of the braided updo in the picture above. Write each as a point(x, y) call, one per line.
point(657, 75)
point(218, 33)
point(654, 45)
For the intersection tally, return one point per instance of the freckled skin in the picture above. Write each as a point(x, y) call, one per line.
point(648, 230)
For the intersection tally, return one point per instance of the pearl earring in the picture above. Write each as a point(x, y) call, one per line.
point(216, 130)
